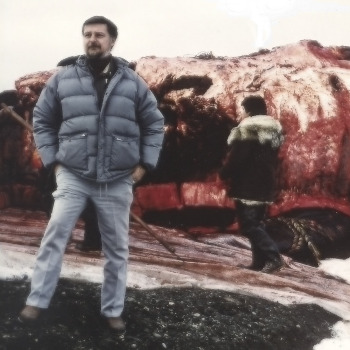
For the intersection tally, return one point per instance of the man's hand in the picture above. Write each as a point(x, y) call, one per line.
point(138, 173)
point(55, 167)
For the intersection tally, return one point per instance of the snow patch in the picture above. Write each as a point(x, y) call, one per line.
point(340, 339)
point(337, 268)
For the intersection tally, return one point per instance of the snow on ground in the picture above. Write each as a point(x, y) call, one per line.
point(337, 267)
point(341, 330)
point(18, 265)
point(340, 340)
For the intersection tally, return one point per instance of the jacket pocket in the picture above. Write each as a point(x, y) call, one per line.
point(73, 151)
point(125, 153)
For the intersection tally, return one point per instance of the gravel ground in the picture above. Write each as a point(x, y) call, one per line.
point(167, 318)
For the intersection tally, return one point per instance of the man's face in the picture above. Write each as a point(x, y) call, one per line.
point(97, 41)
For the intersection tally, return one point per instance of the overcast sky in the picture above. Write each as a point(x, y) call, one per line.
point(36, 34)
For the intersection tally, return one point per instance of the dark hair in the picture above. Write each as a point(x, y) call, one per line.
point(254, 105)
point(111, 27)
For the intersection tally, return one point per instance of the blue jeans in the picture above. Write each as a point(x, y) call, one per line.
point(112, 202)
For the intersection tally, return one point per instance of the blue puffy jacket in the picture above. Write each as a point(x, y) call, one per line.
point(98, 144)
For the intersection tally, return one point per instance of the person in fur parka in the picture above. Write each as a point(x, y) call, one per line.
point(249, 172)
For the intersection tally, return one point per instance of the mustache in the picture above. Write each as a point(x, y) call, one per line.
point(94, 46)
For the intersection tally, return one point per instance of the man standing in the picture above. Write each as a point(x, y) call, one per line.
point(250, 173)
point(97, 123)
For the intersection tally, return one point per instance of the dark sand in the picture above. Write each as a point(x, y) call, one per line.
point(167, 318)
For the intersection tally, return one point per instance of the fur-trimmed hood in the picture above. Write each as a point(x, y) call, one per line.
point(263, 128)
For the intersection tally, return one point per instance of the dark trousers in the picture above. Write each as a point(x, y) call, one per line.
point(92, 236)
point(251, 222)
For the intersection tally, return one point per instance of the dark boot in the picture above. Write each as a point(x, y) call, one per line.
point(30, 314)
point(116, 324)
point(273, 265)
point(264, 250)
point(87, 247)
point(258, 261)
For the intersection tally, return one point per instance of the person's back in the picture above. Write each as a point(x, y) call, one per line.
point(250, 168)
point(250, 174)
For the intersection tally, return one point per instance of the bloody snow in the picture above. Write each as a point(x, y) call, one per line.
point(205, 274)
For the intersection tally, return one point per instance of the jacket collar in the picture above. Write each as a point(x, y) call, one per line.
point(119, 62)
